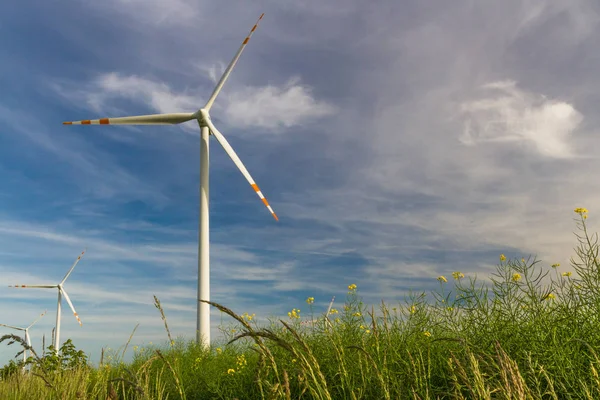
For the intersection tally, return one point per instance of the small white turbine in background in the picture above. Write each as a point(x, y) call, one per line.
point(27, 338)
point(61, 292)
point(206, 128)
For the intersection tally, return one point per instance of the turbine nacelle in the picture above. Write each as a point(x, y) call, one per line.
point(203, 117)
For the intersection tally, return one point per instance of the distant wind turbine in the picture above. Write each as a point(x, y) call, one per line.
point(61, 292)
point(206, 128)
point(325, 318)
point(27, 338)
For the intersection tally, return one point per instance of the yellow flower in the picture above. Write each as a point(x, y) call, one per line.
point(566, 274)
point(241, 361)
point(231, 371)
point(219, 350)
point(367, 331)
point(458, 275)
point(449, 308)
point(502, 257)
point(352, 287)
point(442, 278)
point(427, 333)
point(516, 277)
point(294, 360)
point(310, 300)
point(294, 313)
point(550, 296)
point(580, 210)
point(522, 260)
point(357, 314)
point(337, 320)
point(413, 309)
point(333, 311)
point(555, 265)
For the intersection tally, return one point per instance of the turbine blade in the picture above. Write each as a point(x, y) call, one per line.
point(63, 291)
point(225, 75)
point(38, 318)
point(34, 286)
point(73, 266)
point(13, 327)
point(229, 150)
point(330, 304)
point(153, 119)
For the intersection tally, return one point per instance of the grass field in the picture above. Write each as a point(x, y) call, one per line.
point(532, 333)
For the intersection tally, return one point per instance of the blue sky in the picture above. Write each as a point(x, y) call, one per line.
point(396, 142)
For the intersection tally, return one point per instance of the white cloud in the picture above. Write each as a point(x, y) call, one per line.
point(156, 12)
point(511, 115)
point(272, 107)
point(158, 96)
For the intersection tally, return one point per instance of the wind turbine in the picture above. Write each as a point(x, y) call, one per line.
point(27, 339)
point(61, 292)
point(312, 321)
point(206, 128)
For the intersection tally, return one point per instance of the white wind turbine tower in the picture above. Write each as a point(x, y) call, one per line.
point(206, 128)
point(27, 338)
point(61, 292)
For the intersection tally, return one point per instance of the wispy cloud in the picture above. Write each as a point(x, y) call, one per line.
point(510, 114)
point(273, 107)
point(97, 173)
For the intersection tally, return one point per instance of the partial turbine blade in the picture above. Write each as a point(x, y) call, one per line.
point(153, 119)
point(330, 304)
point(219, 86)
point(34, 286)
point(13, 327)
point(73, 266)
point(38, 318)
point(63, 291)
point(219, 136)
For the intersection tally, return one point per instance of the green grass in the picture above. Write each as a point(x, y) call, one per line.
point(531, 333)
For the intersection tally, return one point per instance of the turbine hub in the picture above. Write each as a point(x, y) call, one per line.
point(203, 116)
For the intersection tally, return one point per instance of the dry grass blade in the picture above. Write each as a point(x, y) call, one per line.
point(313, 361)
point(250, 330)
point(265, 333)
point(377, 371)
point(128, 341)
point(511, 376)
point(175, 375)
point(229, 312)
point(131, 383)
point(286, 385)
point(162, 315)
